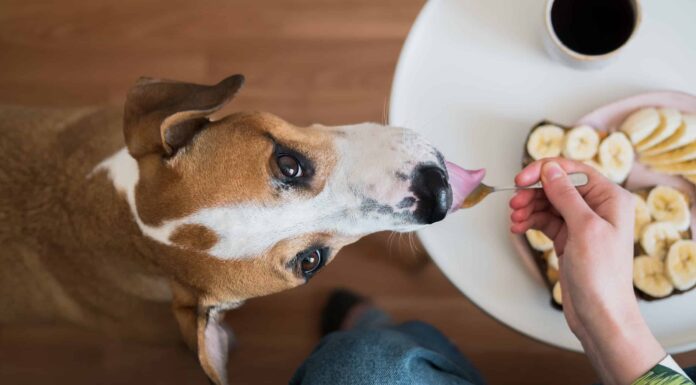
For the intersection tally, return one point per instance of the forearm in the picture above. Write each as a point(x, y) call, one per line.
point(622, 347)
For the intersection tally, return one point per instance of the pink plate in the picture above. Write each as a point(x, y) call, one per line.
point(608, 118)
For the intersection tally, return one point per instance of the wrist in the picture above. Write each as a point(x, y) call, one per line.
point(624, 345)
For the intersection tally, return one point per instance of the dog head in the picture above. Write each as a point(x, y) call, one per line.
point(266, 202)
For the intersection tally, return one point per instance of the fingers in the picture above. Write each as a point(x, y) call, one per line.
point(523, 213)
point(532, 173)
point(523, 197)
point(543, 221)
point(563, 195)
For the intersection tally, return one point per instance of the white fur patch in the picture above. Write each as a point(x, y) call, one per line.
point(123, 170)
point(362, 196)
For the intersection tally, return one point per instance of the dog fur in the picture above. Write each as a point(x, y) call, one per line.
point(115, 219)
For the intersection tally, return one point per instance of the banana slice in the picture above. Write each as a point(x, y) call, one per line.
point(551, 259)
point(642, 217)
point(677, 155)
point(640, 124)
point(596, 166)
point(687, 167)
point(581, 143)
point(685, 134)
point(690, 178)
point(551, 274)
point(539, 240)
point(545, 141)
point(616, 156)
point(680, 264)
point(670, 120)
point(557, 294)
point(667, 204)
point(649, 276)
point(657, 237)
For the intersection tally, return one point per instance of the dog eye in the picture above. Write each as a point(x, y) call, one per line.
point(311, 262)
point(289, 166)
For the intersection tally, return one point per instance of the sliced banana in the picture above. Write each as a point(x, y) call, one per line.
point(546, 141)
point(551, 259)
point(667, 204)
point(680, 265)
point(557, 294)
point(677, 155)
point(616, 156)
point(685, 134)
point(640, 124)
point(657, 237)
point(551, 274)
point(539, 240)
point(642, 216)
point(670, 120)
point(650, 278)
point(687, 167)
point(596, 166)
point(581, 143)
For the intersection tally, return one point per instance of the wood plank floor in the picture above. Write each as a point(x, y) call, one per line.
point(328, 61)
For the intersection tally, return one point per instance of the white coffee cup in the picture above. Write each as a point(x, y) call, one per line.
point(572, 57)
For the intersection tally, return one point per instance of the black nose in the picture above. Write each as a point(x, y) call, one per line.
point(434, 195)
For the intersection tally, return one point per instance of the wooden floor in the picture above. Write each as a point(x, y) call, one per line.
point(328, 61)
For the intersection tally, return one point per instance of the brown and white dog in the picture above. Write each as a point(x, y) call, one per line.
point(192, 214)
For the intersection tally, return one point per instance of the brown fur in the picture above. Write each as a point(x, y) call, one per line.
point(71, 249)
point(223, 166)
point(194, 237)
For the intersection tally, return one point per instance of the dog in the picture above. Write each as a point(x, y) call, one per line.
point(110, 219)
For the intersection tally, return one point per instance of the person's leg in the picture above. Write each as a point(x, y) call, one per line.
point(373, 351)
point(691, 372)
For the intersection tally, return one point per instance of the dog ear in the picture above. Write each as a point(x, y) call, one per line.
point(161, 116)
point(214, 340)
point(203, 331)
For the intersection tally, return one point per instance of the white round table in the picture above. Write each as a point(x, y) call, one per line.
point(473, 77)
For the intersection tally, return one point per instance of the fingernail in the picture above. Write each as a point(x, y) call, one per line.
point(552, 170)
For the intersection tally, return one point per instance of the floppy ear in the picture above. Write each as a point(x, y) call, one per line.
point(161, 116)
point(203, 331)
point(214, 340)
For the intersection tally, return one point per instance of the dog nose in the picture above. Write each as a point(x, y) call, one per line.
point(434, 194)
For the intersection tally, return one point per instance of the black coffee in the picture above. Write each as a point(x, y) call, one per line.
point(593, 27)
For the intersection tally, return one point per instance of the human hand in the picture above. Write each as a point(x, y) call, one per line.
point(592, 230)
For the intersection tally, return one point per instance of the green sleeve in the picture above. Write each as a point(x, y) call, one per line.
point(662, 375)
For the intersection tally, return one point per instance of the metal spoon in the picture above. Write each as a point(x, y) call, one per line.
point(577, 179)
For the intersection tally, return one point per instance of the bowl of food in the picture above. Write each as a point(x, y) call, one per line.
point(647, 144)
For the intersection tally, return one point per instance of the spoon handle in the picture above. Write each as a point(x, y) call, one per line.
point(577, 179)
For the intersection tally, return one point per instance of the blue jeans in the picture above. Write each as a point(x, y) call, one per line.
point(375, 352)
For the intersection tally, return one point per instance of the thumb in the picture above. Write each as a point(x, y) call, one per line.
point(564, 197)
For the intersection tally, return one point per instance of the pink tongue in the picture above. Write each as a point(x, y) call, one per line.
point(463, 182)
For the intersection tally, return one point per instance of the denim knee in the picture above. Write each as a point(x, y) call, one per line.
point(376, 356)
